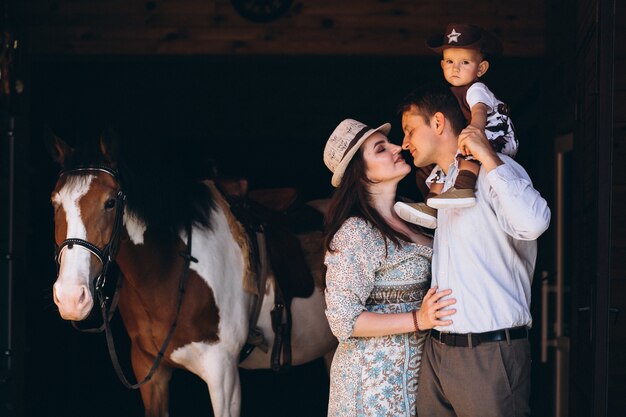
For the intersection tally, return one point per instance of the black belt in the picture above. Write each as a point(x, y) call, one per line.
point(475, 339)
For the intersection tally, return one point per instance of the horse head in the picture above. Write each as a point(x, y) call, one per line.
point(88, 205)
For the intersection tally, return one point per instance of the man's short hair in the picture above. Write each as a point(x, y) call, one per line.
point(432, 98)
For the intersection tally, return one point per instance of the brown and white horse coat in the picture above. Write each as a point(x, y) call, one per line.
point(213, 321)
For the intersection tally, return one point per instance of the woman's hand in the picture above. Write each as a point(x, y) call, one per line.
point(370, 324)
point(431, 313)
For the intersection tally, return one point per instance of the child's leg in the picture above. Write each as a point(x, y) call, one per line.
point(468, 173)
point(435, 189)
point(435, 182)
point(420, 213)
point(462, 193)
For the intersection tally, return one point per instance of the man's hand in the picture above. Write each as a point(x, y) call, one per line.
point(472, 141)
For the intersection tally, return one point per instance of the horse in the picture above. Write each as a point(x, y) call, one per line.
point(96, 222)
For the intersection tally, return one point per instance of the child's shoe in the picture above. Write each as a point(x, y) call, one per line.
point(453, 198)
point(417, 213)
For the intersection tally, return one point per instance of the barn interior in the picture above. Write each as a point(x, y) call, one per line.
point(252, 89)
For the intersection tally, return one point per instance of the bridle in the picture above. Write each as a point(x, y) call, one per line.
point(106, 256)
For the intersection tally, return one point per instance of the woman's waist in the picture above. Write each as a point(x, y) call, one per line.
point(398, 293)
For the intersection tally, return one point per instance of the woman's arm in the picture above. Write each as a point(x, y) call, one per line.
point(370, 324)
point(349, 275)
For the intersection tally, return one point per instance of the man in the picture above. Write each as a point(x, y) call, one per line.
point(480, 364)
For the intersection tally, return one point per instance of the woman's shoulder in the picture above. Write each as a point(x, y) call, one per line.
point(355, 231)
point(354, 225)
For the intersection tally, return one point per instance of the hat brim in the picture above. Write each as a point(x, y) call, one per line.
point(345, 161)
point(437, 44)
point(488, 44)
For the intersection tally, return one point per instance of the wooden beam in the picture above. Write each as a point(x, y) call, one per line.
point(187, 27)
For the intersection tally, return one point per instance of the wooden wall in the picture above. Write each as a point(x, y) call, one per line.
point(617, 316)
point(586, 217)
point(192, 27)
point(599, 284)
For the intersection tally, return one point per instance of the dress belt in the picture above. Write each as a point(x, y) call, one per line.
point(475, 339)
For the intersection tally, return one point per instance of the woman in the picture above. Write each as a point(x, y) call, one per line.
point(377, 281)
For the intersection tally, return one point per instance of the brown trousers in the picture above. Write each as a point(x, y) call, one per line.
point(491, 379)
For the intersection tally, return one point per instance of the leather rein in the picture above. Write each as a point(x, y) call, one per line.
point(106, 256)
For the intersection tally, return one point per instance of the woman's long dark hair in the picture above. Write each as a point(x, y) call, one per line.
point(352, 199)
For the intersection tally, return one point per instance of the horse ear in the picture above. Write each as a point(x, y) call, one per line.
point(59, 150)
point(109, 146)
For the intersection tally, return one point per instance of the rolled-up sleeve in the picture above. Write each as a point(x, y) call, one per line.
point(349, 276)
point(522, 212)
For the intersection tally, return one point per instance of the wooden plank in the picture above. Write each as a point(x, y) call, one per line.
point(357, 15)
point(619, 102)
point(618, 213)
point(530, 24)
point(620, 68)
point(511, 9)
point(325, 25)
point(620, 31)
point(180, 43)
point(52, 40)
point(158, 33)
point(100, 7)
point(618, 327)
point(443, 7)
point(585, 21)
point(394, 27)
point(619, 172)
point(408, 22)
point(56, 21)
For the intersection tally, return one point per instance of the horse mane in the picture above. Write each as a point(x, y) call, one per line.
point(162, 189)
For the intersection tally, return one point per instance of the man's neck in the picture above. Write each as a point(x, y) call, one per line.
point(446, 161)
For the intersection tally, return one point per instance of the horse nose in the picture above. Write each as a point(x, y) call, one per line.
point(74, 302)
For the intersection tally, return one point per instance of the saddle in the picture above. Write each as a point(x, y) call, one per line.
point(275, 216)
point(282, 217)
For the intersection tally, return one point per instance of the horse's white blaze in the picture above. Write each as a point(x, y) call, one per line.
point(71, 289)
point(135, 227)
point(221, 266)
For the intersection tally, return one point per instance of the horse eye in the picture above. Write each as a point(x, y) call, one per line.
point(109, 204)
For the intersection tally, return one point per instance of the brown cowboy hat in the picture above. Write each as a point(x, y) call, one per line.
point(461, 35)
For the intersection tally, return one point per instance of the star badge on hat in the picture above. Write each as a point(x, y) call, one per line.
point(453, 36)
point(468, 36)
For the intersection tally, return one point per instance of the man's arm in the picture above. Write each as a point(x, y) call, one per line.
point(473, 141)
point(521, 211)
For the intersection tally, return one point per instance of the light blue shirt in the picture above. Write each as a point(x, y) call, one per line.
point(486, 254)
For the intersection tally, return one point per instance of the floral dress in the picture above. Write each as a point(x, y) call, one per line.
point(373, 376)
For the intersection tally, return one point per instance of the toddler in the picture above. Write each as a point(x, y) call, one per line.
point(465, 51)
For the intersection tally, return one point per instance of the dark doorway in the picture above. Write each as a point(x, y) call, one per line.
point(265, 118)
